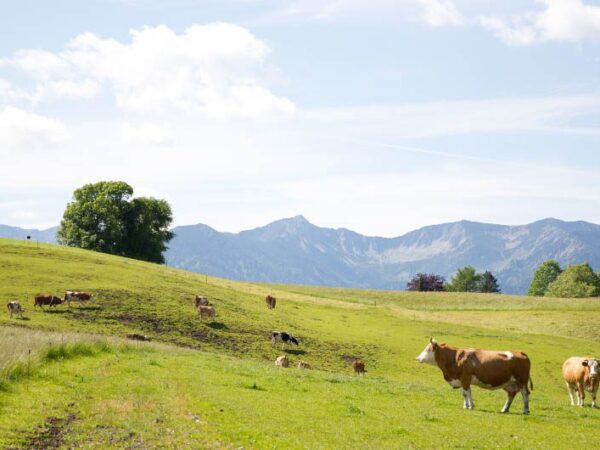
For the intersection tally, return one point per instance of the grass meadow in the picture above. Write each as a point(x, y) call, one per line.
point(214, 385)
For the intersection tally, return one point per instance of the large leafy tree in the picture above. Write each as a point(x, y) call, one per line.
point(426, 282)
point(104, 217)
point(543, 276)
point(465, 280)
point(578, 280)
point(488, 283)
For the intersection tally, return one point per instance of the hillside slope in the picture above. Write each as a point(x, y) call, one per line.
point(296, 251)
point(231, 395)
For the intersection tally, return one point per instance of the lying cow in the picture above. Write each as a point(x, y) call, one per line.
point(284, 338)
point(200, 300)
point(487, 369)
point(139, 337)
point(14, 307)
point(206, 311)
point(581, 374)
point(78, 296)
point(359, 367)
point(282, 361)
point(45, 299)
point(304, 365)
point(271, 301)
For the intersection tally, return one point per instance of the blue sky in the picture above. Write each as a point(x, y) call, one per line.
point(379, 116)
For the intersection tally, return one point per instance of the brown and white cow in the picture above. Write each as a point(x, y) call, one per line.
point(359, 367)
point(206, 311)
point(270, 301)
point(581, 374)
point(487, 369)
point(282, 361)
point(46, 299)
point(14, 307)
point(77, 295)
point(200, 300)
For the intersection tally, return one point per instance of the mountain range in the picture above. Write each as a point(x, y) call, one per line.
point(294, 250)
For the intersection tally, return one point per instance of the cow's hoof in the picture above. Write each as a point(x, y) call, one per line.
point(526, 413)
point(504, 411)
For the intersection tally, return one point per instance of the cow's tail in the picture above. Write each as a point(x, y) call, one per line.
point(530, 383)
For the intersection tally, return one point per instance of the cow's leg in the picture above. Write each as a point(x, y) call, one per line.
point(594, 396)
point(468, 398)
point(581, 392)
point(465, 399)
point(510, 396)
point(572, 393)
point(525, 394)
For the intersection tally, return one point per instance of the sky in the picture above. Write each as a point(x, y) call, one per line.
point(380, 116)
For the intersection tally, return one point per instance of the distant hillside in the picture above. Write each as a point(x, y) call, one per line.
point(296, 251)
point(48, 235)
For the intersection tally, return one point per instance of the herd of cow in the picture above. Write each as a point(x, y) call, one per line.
point(205, 309)
point(461, 367)
point(15, 308)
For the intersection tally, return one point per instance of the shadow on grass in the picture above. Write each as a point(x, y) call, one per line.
point(86, 308)
point(293, 351)
point(217, 326)
point(57, 311)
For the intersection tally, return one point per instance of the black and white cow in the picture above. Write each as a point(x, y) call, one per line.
point(14, 307)
point(284, 338)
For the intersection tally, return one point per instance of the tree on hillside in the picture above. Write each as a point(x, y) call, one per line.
point(465, 280)
point(543, 276)
point(488, 283)
point(426, 282)
point(103, 217)
point(578, 280)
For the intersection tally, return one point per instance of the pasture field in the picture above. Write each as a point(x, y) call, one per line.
point(213, 385)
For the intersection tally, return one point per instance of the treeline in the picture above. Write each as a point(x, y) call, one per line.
point(575, 281)
point(466, 279)
point(550, 280)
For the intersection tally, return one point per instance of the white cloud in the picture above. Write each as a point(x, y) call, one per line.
point(25, 131)
point(218, 70)
point(559, 20)
point(446, 118)
point(441, 13)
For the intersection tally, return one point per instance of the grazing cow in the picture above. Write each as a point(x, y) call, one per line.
point(581, 374)
point(14, 307)
point(487, 369)
point(282, 361)
point(200, 300)
point(270, 300)
point(77, 295)
point(304, 365)
point(139, 337)
point(359, 367)
point(46, 299)
point(284, 338)
point(206, 311)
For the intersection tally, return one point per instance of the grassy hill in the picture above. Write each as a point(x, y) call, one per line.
point(68, 379)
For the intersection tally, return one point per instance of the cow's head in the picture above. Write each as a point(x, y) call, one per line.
point(593, 366)
point(294, 340)
point(428, 354)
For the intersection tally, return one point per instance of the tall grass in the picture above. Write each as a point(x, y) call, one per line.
point(23, 350)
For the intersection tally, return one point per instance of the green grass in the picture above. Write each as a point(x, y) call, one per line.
point(215, 385)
